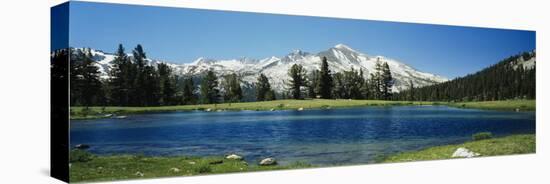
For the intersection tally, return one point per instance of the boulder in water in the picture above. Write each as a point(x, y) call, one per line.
point(233, 157)
point(268, 161)
point(82, 146)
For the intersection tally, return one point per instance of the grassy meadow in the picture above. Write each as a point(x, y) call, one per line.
point(88, 167)
point(102, 112)
point(108, 168)
point(514, 144)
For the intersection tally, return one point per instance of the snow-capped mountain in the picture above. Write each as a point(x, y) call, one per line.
point(340, 58)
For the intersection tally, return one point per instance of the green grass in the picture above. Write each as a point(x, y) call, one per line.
point(123, 167)
point(515, 144)
point(108, 168)
point(510, 105)
point(98, 112)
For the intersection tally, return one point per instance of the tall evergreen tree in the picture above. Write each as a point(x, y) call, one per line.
point(313, 87)
point(325, 80)
point(138, 91)
point(209, 89)
point(86, 76)
point(189, 96)
point(270, 95)
point(411, 90)
point(297, 75)
point(386, 82)
point(151, 86)
point(263, 88)
point(339, 89)
point(232, 88)
point(376, 80)
point(167, 84)
point(119, 80)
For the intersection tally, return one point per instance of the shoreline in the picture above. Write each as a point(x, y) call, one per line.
point(112, 111)
point(95, 168)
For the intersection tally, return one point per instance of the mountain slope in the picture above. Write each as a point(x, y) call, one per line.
point(339, 57)
point(511, 78)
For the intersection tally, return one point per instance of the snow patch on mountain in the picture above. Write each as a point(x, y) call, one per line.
point(340, 58)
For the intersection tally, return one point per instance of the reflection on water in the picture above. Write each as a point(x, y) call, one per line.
point(333, 136)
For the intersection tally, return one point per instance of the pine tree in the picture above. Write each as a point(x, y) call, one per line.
point(232, 89)
point(386, 82)
point(313, 87)
point(325, 80)
point(270, 95)
point(209, 89)
point(297, 75)
point(189, 92)
point(139, 93)
point(167, 84)
point(376, 80)
point(119, 78)
point(151, 86)
point(86, 79)
point(262, 88)
point(339, 88)
point(411, 90)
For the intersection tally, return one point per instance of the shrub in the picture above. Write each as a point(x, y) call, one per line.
point(77, 155)
point(482, 135)
point(202, 168)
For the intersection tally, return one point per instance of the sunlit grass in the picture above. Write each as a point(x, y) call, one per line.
point(107, 168)
point(515, 144)
point(101, 112)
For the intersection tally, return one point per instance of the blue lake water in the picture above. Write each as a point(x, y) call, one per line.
point(330, 136)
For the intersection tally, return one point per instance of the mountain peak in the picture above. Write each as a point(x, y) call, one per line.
point(343, 47)
point(202, 60)
point(298, 52)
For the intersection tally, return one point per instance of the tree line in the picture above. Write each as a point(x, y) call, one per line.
point(341, 85)
point(507, 79)
point(133, 81)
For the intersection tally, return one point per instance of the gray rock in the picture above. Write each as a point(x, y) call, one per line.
point(268, 161)
point(234, 157)
point(464, 153)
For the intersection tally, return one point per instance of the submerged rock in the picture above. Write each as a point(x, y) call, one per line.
point(82, 146)
point(234, 157)
point(268, 161)
point(464, 153)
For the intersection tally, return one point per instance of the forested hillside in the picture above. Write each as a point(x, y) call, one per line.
point(511, 78)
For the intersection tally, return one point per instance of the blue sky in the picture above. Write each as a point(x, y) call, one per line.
point(181, 35)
